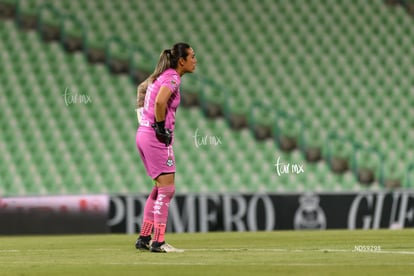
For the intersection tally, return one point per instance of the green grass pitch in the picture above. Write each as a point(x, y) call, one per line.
point(332, 252)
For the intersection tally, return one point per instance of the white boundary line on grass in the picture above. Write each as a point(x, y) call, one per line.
point(325, 250)
point(281, 250)
point(57, 249)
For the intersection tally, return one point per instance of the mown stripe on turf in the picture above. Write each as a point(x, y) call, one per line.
point(178, 263)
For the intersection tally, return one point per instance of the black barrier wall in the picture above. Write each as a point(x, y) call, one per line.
point(266, 212)
point(209, 212)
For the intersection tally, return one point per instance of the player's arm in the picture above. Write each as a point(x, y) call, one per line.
point(160, 109)
point(141, 91)
point(161, 102)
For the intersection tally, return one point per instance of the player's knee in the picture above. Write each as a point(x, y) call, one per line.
point(168, 191)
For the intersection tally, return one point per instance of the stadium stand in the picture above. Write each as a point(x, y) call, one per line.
point(324, 81)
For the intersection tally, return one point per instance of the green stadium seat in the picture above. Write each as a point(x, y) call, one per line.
point(304, 70)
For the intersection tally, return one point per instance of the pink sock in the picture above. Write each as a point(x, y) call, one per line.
point(161, 206)
point(148, 220)
point(159, 232)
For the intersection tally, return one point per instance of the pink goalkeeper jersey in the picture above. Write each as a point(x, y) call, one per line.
point(171, 79)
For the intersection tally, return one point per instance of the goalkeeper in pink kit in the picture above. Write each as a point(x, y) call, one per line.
point(157, 101)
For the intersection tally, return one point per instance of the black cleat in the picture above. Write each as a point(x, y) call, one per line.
point(143, 243)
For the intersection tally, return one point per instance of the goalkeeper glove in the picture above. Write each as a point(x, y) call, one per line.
point(163, 135)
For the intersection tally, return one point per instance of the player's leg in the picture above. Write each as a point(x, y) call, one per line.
point(166, 190)
point(144, 239)
point(159, 163)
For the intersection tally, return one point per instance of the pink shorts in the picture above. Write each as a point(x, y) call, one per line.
point(157, 158)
